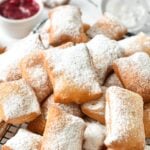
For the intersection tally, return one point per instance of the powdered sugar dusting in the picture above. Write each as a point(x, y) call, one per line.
point(109, 26)
point(103, 52)
point(66, 20)
point(20, 97)
point(96, 108)
point(73, 109)
point(113, 80)
point(94, 136)
point(63, 131)
point(73, 67)
point(137, 43)
point(35, 74)
point(24, 140)
point(124, 119)
point(38, 75)
point(134, 72)
point(10, 60)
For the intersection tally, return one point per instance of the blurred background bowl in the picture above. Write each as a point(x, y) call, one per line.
point(21, 28)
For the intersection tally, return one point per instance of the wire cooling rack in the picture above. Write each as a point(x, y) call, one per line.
point(9, 132)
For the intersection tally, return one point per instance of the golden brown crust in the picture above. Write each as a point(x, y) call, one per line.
point(35, 74)
point(86, 27)
point(109, 26)
point(70, 34)
point(2, 50)
point(37, 125)
point(24, 105)
point(147, 120)
point(96, 109)
point(66, 45)
point(73, 109)
point(4, 147)
point(22, 119)
point(124, 120)
point(60, 127)
point(134, 73)
point(137, 43)
point(70, 85)
point(66, 38)
point(103, 52)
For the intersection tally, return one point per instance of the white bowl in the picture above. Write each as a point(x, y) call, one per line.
point(21, 28)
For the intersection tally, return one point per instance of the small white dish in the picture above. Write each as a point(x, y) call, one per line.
point(21, 28)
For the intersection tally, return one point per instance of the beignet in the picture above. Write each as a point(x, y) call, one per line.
point(34, 73)
point(18, 103)
point(103, 52)
point(38, 125)
point(63, 131)
point(134, 73)
point(124, 120)
point(23, 140)
point(72, 75)
point(137, 43)
point(109, 26)
point(10, 60)
point(66, 25)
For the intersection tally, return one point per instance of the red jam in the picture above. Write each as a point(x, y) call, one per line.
point(18, 9)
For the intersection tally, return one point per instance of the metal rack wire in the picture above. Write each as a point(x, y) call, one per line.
point(10, 131)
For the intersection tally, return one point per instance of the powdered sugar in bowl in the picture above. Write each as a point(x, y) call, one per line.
point(133, 14)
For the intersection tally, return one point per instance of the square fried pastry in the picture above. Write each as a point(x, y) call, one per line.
point(18, 103)
point(23, 140)
point(96, 109)
point(94, 136)
point(38, 125)
point(137, 43)
point(66, 25)
point(109, 26)
point(124, 120)
point(147, 120)
point(113, 80)
point(34, 73)
point(72, 75)
point(134, 73)
point(103, 52)
point(10, 60)
point(63, 131)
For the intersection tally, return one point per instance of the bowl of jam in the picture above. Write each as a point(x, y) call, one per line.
point(19, 17)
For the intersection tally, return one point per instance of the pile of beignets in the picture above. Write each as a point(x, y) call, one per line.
point(88, 90)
